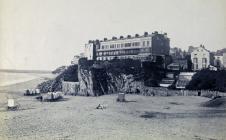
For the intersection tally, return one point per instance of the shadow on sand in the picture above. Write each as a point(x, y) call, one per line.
point(197, 114)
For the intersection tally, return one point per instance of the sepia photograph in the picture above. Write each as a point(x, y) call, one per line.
point(112, 70)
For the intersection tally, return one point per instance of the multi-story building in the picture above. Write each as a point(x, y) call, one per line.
point(90, 49)
point(136, 47)
point(201, 58)
point(224, 60)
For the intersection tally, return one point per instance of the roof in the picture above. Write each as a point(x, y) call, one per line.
point(201, 46)
point(134, 37)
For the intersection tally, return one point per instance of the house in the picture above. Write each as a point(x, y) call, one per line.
point(178, 64)
point(218, 61)
point(201, 58)
point(76, 58)
point(90, 49)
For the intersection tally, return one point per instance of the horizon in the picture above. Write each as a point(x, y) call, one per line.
point(46, 34)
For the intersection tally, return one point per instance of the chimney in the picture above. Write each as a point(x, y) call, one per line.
point(128, 36)
point(121, 37)
point(145, 34)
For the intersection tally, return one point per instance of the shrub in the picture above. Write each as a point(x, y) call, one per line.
point(208, 80)
point(69, 74)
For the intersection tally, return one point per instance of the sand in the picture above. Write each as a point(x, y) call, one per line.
point(141, 117)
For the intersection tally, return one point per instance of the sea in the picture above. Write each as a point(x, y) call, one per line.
point(9, 78)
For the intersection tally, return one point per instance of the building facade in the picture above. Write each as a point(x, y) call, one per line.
point(218, 61)
point(224, 60)
point(201, 58)
point(136, 47)
point(76, 58)
point(90, 49)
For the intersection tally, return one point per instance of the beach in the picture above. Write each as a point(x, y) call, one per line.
point(140, 117)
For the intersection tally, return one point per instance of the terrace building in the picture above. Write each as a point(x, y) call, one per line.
point(142, 47)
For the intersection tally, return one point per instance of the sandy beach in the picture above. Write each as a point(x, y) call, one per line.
point(76, 117)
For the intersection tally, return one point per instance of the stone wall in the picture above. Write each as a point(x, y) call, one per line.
point(70, 88)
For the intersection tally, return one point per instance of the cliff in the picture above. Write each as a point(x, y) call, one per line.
point(128, 76)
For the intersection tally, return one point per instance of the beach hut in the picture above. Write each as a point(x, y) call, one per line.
point(11, 104)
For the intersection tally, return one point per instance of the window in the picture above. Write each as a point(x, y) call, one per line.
point(196, 66)
point(203, 65)
point(204, 60)
point(127, 44)
point(195, 60)
point(147, 43)
point(143, 43)
point(112, 46)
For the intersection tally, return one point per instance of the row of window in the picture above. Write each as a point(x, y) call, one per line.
point(112, 57)
point(119, 52)
point(195, 60)
point(196, 66)
point(122, 45)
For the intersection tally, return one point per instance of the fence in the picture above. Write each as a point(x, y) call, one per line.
point(71, 88)
point(158, 91)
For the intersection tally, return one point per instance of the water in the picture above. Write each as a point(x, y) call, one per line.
point(9, 78)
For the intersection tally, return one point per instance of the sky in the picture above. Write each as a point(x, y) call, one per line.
point(45, 34)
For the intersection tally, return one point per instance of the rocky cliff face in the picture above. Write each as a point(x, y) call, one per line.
point(96, 80)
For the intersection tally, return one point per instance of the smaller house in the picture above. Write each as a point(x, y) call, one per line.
point(218, 61)
point(76, 58)
point(178, 64)
point(183, 79)
point(173, 66)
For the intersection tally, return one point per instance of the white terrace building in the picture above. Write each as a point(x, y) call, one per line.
point(136, 47)
point(201, 58)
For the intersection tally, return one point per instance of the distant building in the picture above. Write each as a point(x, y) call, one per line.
point(218, 61)
point(134, 47)
point(76, 58)
point(176, 53)
point(90, 49)
point(201, 58)
point(191, 49)
point(224, 60)
point(178, 64)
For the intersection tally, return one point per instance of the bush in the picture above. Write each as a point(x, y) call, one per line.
point(208, 80)
point(69, 74)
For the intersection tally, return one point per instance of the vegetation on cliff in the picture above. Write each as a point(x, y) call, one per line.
point(118, 75)
point(69, 74)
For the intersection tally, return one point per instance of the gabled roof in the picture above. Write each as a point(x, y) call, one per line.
point(201, 46)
